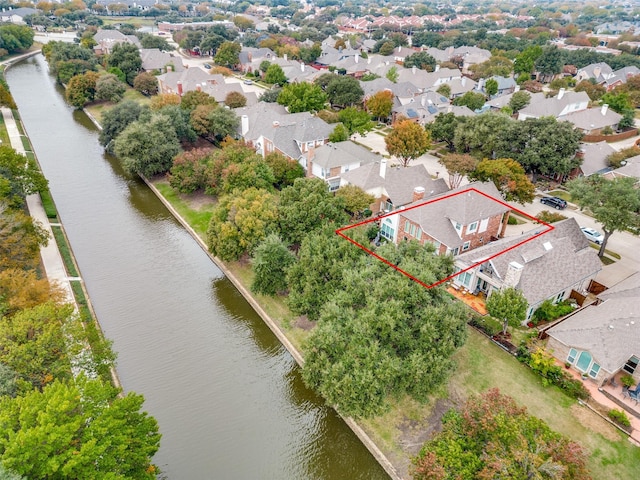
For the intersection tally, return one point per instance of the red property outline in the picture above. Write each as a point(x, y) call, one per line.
point(397, 212)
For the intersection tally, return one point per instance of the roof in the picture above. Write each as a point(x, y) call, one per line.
point(609, 331)
point(154, 59)
point(260, 116)
point(437, 219)
point(631, 169)
point(343, 153)
point(593, 119)
point(398, 183)
point(547, 271)
point(594, 157)
point(547, 107)
point(294, 129)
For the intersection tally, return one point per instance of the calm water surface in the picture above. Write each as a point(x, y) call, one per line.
point(228, 397)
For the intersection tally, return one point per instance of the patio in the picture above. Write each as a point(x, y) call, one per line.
point(610, 396)
point(476, 302)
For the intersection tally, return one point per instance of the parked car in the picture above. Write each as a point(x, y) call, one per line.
point(555, 202)
point(248, 82)
point(593, 235)
point(207, 66)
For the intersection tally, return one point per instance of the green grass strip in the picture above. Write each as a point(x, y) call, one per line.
point(65, 251)
point(26, 144)
point(49, 206)
point(199, 220)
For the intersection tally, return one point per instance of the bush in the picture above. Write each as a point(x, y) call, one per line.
point(549, 311)
point(512, 220)
point(550, 217)
point(619, 417)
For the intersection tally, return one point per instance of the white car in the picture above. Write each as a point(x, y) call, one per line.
point(593, 235)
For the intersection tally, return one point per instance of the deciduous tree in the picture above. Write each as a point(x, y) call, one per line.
point(146, 83)
point(285, 171)
point(473, 100)
point(228, 55)
point(109, 88)
point(407, 141)
point(509, 306)
point(355, 120)
point(126, 57)
point(271, 260)
point(116, 120)
point(519, 100)
point(380, 104)
point(458, 166)
point(421, 60)
point(614, 203)
point(302, 97)
point(81, 89)
point(274, 75)
point(344, 91)
point(235, 100)
point(508, 176)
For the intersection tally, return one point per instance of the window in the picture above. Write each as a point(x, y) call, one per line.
point(455, 251)
point(466, 246)
point(631, 365)
point(595, 368)
point(388, 206)
point(560, 297)
point(413, 230)
point(407, 226)
point(573, 353)
point(387, 231)
point(458, 227)
point(465, 278)
point(419, 234)
point(472, 227)
point(584, 360)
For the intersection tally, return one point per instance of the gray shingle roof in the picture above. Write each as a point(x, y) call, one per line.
point(609, 331)
point(547, 107)
point(594, 157)
point(343, 153)
point(569, 260)
point(154, 59)
point(593, 119)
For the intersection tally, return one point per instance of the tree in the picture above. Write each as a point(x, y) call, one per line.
point(378, 336)
point(525, 61)
point(550, 62)
point(275, 75)
point(386, 49)
point(19, 177)
point(235, 100)
point(509, 306)
point(496, 65)
point(594, 91)
point(458, 166)
point(491, 437)
point(339, 134)
point(344, 91)
point(115, 120)
point(482, 134)
point(380, 104)
point(421, 60)
point(21, 289)
point(305, 206)
point(614, 203)
point(110, 88)
point(164, 100)
point(81, 89)
point(189, 171)
point(302, 97)
point(443, 128)
point(239, 223)
point(180, 121)
point(228, 55)
point(148, 148)
point(519, 100)
point(355, 120)
point(355, 199)
point(508, 176)
point(22, 238)
point(214, 122)
point(618, 102)
point(126, 57)
point(243, 23)
point(474, 101)
point(191, 99)
point(271, 260)
point(146, 83)
point(285, 171)
point(392, 74)
point(270, 96)
point(491, 87)
point(444, 90)
point(61, 432)
point(407, 141)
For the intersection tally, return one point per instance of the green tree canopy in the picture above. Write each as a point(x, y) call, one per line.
point(228, 55)
point(458, 166)
point(380, 104)
point(241, 221)
point(305, 206)
point(355, 120)
point(115, 120)
point(421, 60)
point(110, 88)
point(19, 177)
point(146, 83)
point(126, 57)
point(148, 148)
point(509, 306)
point(285, 171)
point(343, 91)
point(81, 89)
point(473, 100)
point(302, 97)
point(492, 437)
point(519, 100)
point(275, 75)
point(407, 141)
point(271, 260)
point(614, 203)
point(481, 135)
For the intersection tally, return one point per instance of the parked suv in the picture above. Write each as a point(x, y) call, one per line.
point(593, 235)
point(554, 202)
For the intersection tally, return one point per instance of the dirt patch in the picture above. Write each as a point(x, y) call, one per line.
point(198, 200)
point(593, 422)
point(304, 323)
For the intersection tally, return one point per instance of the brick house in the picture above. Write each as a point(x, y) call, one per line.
point(457, 221)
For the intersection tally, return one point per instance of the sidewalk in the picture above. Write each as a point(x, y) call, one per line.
point(51, 258)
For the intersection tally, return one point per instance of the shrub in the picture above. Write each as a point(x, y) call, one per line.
point(619, 417)
point(512, 220)
point(550, 217)
point(626, 380)
point(549, 311)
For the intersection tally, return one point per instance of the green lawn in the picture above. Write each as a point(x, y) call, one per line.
point(97, 109)
point(198, 219)
point(563, 194)
point(4, 136)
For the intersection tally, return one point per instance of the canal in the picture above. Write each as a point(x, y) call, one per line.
point(228, 397)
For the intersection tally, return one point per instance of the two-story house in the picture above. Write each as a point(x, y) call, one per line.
point(562, 104)
point(458, 221)
point(543, 266)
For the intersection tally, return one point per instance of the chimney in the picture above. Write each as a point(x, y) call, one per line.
point(302, 67)
point(604, 109)
point(414, 69)
point(383, 167)
point(355, 58)
point(198, 87)
point(276, 124)
point(368, 60)
point(179, 88)
point(250, 56)
point(437, 68)
point(463, 81)
point(418, 194)
point(561, 93)
point(514, 272)
point(399, 48)
point(285, 57)
point(244, 122)
point(169, 68)
point(423, 101)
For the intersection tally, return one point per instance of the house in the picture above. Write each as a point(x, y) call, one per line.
point(546, 267)
point(155, 60)
point(458, 221)
point(603, 338)
point(499, 102)
point(506, 85)
point(562, 104)
point(330, 161)
point(186, 80)
point(598, 72)
point(594, 158)
point(107, 39)
point(393, 188)
point(250, 58)
point(631, 168)
point(16, 15)
point(594, 121)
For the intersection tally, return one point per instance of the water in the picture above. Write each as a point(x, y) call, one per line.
point(228, 397)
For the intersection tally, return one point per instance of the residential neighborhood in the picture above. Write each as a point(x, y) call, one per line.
point(490, 153)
